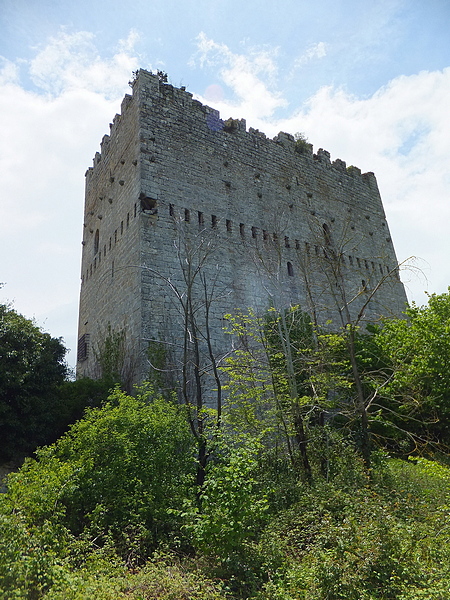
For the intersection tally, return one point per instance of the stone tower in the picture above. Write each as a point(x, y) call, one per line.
point(179, 202)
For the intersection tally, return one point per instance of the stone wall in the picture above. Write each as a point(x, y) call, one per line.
point(265, 222)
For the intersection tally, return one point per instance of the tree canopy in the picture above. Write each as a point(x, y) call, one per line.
point(32, 366)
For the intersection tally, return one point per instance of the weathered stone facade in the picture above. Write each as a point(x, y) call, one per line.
point(264, 221)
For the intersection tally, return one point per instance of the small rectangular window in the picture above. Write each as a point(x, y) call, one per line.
point(214, 221)
point(229, 226)
point(287, 243)
point(171, 210)
point(242, 229)
point(254, 232)
point(187, 215)
point(83, 347)
point(201, 219)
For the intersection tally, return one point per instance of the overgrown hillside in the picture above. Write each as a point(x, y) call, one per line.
point(324, 477)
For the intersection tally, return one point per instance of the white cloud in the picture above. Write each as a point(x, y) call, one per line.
point(250, 76)
point(46, 144)
point(72, 61)
point(315, 51)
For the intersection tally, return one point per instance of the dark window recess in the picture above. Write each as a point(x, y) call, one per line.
point(148, 205)
point(201, 219)
point(83, 347)
point(187, 215)
point(297, 244)
point(229, 225)
point(350, 260)
point(96, 241)
point(135, 209)
point(242, 228)
point(265, 235)
point(128, 219)
point(287, 243)
point(121, 228)
point(275, 238)
point(254, 232)
point(171, 210)
point(290, 269)
point(214, 221)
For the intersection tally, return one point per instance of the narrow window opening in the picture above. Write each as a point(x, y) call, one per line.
point(83, 347)
point(265, 235)
point(135, 209)
point(350, 260)
point(110, 243)
point(275, 238)
point(115, 236)
point(201, 219)
point(128, 220)
point(171, 210)
point(96, 241)
point(214, 221)
point(229, 226)
point(187, 215)
point(307, 247)
point(121, 228)
point(242, 229)
point(290, 269)
point(254, 232)
point(358, 261)
point(381, 269)
point(297, 244)
point(287, 243)
point(366, 264)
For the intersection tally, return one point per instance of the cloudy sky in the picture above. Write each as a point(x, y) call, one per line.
point(367, 80)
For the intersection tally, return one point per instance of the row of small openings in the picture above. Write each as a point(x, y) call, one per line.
point(229, 226)
point(368, 264)
point(98, 251)
point(287, 241)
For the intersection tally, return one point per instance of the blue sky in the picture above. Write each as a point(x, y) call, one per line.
point(368, 81)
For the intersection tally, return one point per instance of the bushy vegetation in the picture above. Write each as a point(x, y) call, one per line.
point(289, 507)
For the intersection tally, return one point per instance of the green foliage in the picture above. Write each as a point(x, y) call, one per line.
point(233, 505)
point(361, 543)
point(413, 354)
point(116, 477)
point(32, 367)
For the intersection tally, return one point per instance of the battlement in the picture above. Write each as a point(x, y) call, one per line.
point(148, 87)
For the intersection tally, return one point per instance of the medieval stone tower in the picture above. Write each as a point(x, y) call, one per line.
point(187, 215)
